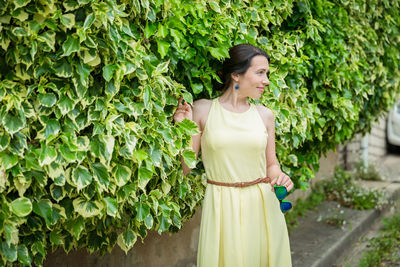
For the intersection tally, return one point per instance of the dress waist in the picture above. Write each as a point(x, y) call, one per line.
point(241, 184)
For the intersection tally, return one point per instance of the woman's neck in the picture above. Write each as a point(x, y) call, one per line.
point(234, 100)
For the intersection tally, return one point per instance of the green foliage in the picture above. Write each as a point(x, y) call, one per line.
point(367, 172)
point(384, 249)
point(342, 188)
point(88, 155)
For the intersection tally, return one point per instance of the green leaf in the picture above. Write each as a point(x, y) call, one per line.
point(164, 223)
point(148, 221)
point(293, 159)
point(122, 174)
point(44, 209)
point(52, 128)
point(47, 155)
point(8, 160)
point(162, 47)
point(142, 211)
point(189, 156)
point(21, 206)
point(63, 69)
point(54, 170)
point(57, 192)
point(197, 88)
point(68, 20)
point(9, 252)
point(23, 255)
point(218, 52)
point(188, 97)
point(38, 247)
point(47, 100)
point(101, 174)
point(67, 154)
point(87, 208)
point(141, 74)
point(162, 30)
point(18, 31)
point(20, 3)
point(11, 233)
point(140, 155)
point(188, 126)
point(214, 6)
point(81, 177)
point(70, 46)
point(147, 96)
point(65, 104)
point(112, 207)
point(4, 141)
point(76, 227)
point(49, 38)
point(108, 71)
point(161, 68)
point(144, 177)
point(183, 188)
point(149, 30)
point(84, 72)
point(126, 240)
point(13, 124)
point(88, 21)
point(56, 238)
point(108, 146)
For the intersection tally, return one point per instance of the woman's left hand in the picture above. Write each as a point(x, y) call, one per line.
point(284, 180)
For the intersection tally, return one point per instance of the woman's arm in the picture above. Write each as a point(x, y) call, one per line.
point(196, 139)
point(274, 172)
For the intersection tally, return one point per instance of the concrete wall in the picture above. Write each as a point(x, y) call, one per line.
point(326, 169)
point(350, 153)
point(376, 140)
point(177, 250)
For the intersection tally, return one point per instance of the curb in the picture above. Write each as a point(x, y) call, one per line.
point(315, 243)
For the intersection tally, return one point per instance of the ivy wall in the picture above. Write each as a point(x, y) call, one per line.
point(88, 153)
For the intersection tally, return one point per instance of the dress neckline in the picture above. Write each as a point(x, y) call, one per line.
point(236, 113)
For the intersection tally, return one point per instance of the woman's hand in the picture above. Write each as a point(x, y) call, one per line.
point(284, 180)
point(183, 111)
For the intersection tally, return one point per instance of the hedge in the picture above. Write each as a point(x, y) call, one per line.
point(89, 155)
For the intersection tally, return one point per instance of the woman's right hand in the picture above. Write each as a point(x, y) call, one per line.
point(183, 111)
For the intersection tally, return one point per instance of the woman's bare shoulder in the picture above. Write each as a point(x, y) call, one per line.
point(267, 116)
point(265, 112)
point(201, 108)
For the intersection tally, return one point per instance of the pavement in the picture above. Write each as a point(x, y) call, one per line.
point(340, 243)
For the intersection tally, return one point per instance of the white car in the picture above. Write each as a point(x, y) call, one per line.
point(393, 129)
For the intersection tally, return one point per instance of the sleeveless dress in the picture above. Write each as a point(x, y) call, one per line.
point(240, 227)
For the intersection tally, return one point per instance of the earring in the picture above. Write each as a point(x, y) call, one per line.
point(236, 86)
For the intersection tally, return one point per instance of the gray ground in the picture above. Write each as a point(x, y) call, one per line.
point(389, 167)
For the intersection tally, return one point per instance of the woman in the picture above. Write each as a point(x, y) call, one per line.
point(242, 224)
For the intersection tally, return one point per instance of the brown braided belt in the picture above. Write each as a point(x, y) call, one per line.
point(241, 184)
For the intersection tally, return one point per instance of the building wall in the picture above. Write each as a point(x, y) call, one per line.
point(177, 250)
point(376, 140)
point(350, 153)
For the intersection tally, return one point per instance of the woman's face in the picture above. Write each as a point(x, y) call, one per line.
point(252, 83)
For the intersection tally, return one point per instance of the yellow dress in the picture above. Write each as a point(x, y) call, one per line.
point(240, 227)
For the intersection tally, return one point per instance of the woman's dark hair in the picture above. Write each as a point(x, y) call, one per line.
point(239, 61)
